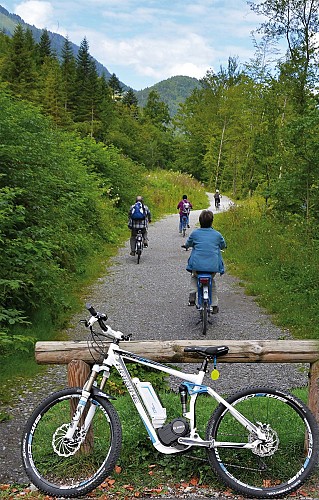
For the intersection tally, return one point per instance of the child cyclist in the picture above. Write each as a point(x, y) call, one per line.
point(184, 208)
point(206, 244)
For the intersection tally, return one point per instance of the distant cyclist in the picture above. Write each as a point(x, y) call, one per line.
point(206, 244)
point(184, 208)
point(139, 217)
point(217, 197)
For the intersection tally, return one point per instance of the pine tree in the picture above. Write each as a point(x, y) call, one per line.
point(86, 86)
point(115, 86)
point(51, 92)
point(44, 47)
point(19, 65)
point(68, 67)
point(130, 99)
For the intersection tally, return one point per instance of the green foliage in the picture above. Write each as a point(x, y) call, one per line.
point(55, 207)
point(134, 437)
point(10, 343)
point(278, 262)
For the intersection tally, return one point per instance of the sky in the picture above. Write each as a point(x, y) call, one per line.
point(146, 41)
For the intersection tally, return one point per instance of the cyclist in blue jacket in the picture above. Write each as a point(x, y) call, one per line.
point(206, 244)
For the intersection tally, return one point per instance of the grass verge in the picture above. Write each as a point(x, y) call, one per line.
point(278, 263)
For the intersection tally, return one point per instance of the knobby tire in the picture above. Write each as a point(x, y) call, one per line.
point(292, 447)
point(51, 462)
point(204, 317)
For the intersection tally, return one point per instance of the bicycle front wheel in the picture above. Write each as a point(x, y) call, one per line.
point(64, 467)
point(278, 465)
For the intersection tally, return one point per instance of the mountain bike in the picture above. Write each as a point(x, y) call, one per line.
point(261, 442)
point(139, 245)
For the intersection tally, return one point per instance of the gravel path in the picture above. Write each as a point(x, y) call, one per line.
point(150, 301)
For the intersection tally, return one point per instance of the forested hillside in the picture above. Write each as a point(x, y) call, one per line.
point(173, 92)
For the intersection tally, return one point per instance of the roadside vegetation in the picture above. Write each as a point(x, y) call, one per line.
point(277, 260)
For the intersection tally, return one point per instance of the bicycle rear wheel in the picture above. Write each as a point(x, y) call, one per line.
point(280, 464)
point(138, 249)
point(68, 468)
point(139, 252)
point(204, 318)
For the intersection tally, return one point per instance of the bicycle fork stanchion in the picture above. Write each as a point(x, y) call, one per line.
point(79, 411)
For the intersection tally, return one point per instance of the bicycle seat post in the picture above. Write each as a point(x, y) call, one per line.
point(204, 365)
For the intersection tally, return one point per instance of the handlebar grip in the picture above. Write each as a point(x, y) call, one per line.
point(91, 310)
point(103, 326)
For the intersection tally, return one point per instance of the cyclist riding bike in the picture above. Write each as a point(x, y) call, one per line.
point(206, 244)
point(139, 217)
point(184, 208)
point(217, 197)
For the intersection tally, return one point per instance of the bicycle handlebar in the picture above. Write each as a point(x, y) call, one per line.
point(106, 329)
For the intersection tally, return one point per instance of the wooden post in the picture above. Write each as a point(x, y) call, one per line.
point(313, 398)
point(78, 373)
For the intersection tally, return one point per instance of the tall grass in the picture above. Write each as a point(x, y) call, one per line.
point(165, 189)
point(278, 263)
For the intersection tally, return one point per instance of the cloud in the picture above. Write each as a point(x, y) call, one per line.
point(35, 12)
point(155, 57)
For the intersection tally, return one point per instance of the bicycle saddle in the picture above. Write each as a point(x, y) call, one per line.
point(209, 352)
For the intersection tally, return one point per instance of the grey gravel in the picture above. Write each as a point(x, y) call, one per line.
point(149, 300)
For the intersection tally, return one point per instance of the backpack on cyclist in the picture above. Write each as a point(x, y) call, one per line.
point(138, 212)
point(186, 207)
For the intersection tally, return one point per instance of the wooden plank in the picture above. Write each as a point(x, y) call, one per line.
point(240, 351)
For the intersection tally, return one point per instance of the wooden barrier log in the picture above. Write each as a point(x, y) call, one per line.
point(240, 351)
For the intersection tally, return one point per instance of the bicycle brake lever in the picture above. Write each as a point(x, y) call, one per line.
point(127, 337)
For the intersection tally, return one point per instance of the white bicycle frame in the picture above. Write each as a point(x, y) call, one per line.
point(193, 382)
